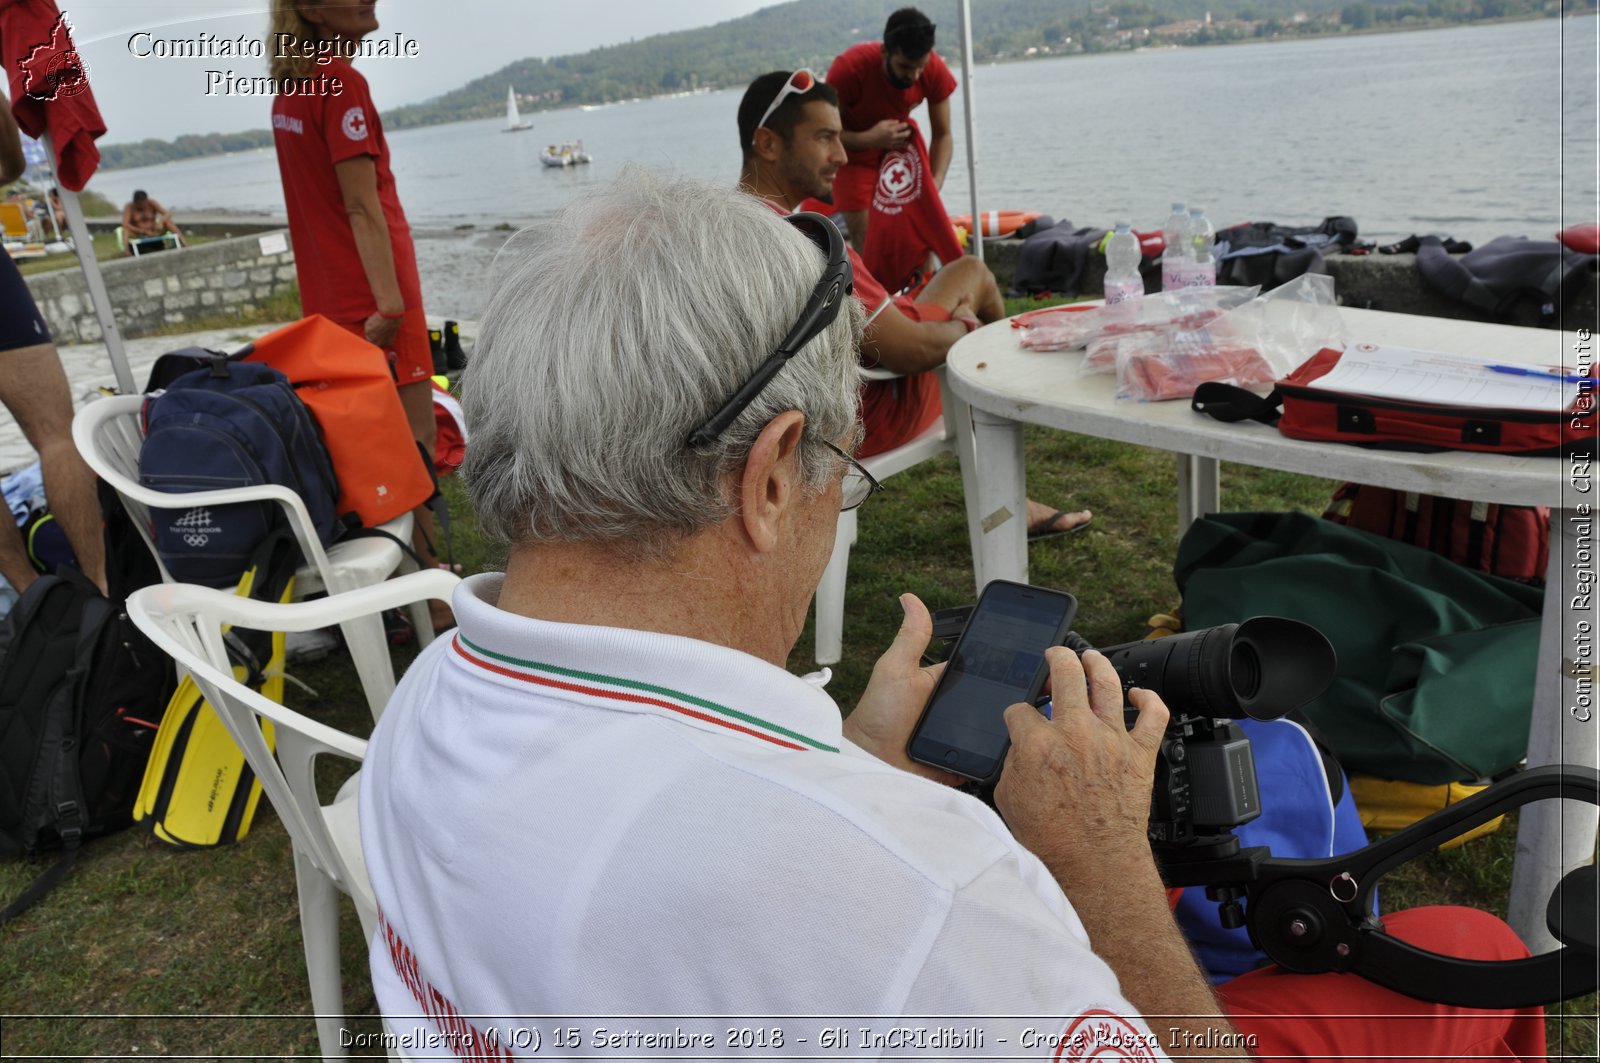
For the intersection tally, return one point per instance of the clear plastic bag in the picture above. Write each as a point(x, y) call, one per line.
point(1249, 346)
point(1290, 323)
point(1154, 369)
point(1162, 312)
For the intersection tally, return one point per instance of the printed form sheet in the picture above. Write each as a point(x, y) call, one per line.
point(1448, 379)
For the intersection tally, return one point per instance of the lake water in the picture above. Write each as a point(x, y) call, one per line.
point(1471, 132)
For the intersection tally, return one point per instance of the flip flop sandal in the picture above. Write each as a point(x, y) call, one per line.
point(1047, 528)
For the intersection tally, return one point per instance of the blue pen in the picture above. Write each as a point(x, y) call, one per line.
point(1522, 370)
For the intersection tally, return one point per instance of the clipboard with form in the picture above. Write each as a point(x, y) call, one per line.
point(1389, 372)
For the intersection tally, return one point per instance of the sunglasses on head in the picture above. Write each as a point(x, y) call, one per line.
point(800, 82)
point(820, 310)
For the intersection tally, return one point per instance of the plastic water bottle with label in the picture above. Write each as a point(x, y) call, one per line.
point(1173, 232)
point(1122, 265)
point(1201, 269)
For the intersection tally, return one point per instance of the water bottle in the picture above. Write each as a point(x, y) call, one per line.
point(1172, 258)
point(1202, 264)
point(1122, 265)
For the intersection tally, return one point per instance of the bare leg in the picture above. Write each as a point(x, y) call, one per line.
point(856, 222)
point(966, 280)
point(33, 386)
point(14, 563)
point(417, 398)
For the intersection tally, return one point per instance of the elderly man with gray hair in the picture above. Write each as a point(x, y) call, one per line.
point(605, 796)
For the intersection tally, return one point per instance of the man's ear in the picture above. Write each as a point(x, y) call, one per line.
point(771, 480)
point(767, 144)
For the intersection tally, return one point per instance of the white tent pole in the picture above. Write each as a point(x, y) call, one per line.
point(83, 244)
point(976, 239)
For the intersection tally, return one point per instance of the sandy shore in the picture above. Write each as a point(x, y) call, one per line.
point(455, 269)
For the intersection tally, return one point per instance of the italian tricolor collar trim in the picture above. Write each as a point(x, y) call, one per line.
point(679, 678)
point(594, 684)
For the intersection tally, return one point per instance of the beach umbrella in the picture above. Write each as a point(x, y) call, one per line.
point(966, 107)
point(52, 102)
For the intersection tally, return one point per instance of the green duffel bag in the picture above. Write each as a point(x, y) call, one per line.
point(1436, 661)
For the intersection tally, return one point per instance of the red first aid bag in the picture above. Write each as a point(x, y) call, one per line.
point(345, 381)
point(1414, 424)
point(1331, 416)
point(1509, 541)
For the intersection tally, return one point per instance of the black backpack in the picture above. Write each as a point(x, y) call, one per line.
point(81, 695)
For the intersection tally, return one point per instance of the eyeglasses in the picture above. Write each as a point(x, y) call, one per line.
point(826, 298)
point(858, 484)
point(800, 82)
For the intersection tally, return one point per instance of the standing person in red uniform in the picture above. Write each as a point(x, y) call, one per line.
point(353, 251)
point(879, 85)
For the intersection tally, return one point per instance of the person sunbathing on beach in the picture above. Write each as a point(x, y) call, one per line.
point(791, 139)
point(143, 216)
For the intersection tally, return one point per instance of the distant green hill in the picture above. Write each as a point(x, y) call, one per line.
point(811, 32)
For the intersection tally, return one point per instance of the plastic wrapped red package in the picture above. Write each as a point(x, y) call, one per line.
point(1174, 372)
point(1067, 328)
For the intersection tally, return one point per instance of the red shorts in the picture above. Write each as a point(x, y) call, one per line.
point(894, 412)
point(411, 355)
point(853, 185)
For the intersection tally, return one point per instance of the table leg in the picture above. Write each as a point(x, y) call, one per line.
point(1199, 489)
point(997, 497)
point(958, 424)
point(1553, 837)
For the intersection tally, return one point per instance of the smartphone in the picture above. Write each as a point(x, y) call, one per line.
point(997, 662)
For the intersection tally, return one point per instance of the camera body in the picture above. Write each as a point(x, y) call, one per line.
point(1205, 781)
point(1205, 772)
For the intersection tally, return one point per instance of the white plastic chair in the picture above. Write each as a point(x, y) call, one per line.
point(108, 435)
point(939, 438)
point(186, 622)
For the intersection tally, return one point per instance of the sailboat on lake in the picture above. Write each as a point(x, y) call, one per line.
point(514, 122)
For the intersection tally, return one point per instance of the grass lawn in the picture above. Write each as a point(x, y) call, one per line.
point(146, 951)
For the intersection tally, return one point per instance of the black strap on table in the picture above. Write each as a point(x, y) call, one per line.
point(1230, 404)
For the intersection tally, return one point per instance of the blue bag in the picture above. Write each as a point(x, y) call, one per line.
point(1301, 818)
point(232, 424)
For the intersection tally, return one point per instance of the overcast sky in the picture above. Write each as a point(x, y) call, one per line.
point(457, 40)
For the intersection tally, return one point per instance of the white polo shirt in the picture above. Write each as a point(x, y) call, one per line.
point(586, 824)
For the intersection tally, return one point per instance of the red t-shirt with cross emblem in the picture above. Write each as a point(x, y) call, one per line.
point(866, 98)
point(314, 132)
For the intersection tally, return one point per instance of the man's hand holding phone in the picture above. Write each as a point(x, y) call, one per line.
point(1076, 787)
point(899, 688)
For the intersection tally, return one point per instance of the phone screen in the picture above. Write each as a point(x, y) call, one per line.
point(997, 662)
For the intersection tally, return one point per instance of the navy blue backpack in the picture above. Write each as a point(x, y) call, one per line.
point(231, 424)
point(1307, 813)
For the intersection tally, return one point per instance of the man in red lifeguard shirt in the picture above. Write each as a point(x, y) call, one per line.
point(879, 85)
point(789, 132)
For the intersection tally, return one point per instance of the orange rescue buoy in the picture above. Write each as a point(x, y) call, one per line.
point(996, 222)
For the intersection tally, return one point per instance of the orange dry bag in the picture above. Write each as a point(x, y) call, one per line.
point(345, 382)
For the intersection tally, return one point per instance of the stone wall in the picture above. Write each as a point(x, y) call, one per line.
point(220, 279)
